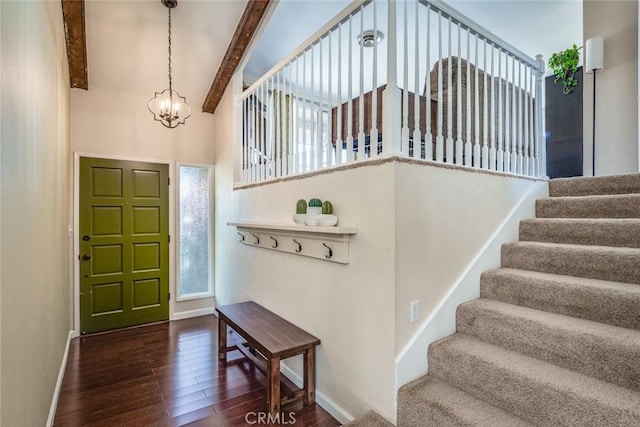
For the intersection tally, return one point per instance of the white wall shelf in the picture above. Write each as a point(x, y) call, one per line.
point(326, 243)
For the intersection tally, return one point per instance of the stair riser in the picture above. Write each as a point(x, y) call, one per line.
point(592, 186)
point(600, 305)
point(615, 266)
point(579, 233)
point(534, 401)
point(590, 207)
point(606, 357)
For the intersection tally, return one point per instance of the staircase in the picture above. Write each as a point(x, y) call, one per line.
point(554, 339)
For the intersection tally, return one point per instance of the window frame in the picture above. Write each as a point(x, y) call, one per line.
point(210, 292)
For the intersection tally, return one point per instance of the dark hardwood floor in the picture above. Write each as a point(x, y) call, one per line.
point(167, 374)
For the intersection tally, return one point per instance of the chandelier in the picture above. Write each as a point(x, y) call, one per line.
point(168, 107)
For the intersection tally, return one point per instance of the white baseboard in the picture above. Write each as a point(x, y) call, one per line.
point(56, 390)
point(192, 313)
point(327, 404)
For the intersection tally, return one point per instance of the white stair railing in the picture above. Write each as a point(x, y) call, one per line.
point(439, 88)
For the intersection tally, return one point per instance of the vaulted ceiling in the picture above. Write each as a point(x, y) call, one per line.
point(123, 44)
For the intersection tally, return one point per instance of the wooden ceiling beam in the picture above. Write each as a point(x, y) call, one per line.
point(251, 17)
point(75, 35)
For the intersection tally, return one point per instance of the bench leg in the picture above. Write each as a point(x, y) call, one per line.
point(310, 376)
point(222, 339)
point(273, 379)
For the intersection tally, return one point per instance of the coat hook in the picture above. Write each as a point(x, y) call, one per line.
point(330, 251)
point(241, 236)
point(275, 242)
point(257, 239)
point(299, 246)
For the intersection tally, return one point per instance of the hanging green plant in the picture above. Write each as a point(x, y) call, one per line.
point(564, 65)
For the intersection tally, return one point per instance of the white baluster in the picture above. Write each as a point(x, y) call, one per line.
point(252, 149)
point(320, 116)
point(350, 97)
point(330, 152)
point(485, 112)
point(257, 160)
point(305, 139)
point(507, 116)
point(514, 121)
point(459, 145)
point(361, 135)
point(296, 117)
point(467, 145)
point(271, 127)
point(289, 137)
point(492, 140)
point(315, 143)
point(439, 136)
point(405, 88)
point(476, 142)
point(525, 122)
point(417, 134)
point(500, 154)
point(339, 103)
point(373, 135)
point(428, 137)
point(449, 140)
point(520, 119)
point(541, 146)
point(532, 140)
point(277, 97)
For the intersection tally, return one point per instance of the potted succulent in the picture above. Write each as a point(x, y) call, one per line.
point(564, 65)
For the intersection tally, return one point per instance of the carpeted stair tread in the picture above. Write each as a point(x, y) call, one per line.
point(537, 391)
point(613, 303)
point(370, 419)
point(621, 232)
point(584, 186)
point(602, 206)
point(602, 351)
point(595, 262)
point(430, 402)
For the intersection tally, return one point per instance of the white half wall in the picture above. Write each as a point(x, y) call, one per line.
point(616, 21)
point(455, 232)
point(35, 209)
point(349, 307)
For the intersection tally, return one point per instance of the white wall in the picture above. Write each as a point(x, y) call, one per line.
point(349, 307)
point(35, 206)
point(446, 236)
point(443, 219)
point(616, 21)
point(127, 63)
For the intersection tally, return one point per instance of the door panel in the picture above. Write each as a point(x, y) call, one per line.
point(124, 249)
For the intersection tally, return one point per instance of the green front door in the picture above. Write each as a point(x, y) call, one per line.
point(124, 243)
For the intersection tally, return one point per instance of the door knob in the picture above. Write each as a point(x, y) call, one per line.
point(86, 257)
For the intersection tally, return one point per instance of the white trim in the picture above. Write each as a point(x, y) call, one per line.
point(76, 225)
point(192, 313)
point(58, 387)
point(210, 292)
point(335, 410)
point(411, 361)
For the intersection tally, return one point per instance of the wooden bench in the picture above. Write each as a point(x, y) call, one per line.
point(269, 339)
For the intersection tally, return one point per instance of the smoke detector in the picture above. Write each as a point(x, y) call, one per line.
point(370, 38)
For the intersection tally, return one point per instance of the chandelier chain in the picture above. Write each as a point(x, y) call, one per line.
point(170, 89)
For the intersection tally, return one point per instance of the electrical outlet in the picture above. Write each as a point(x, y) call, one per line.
point(415, 311)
